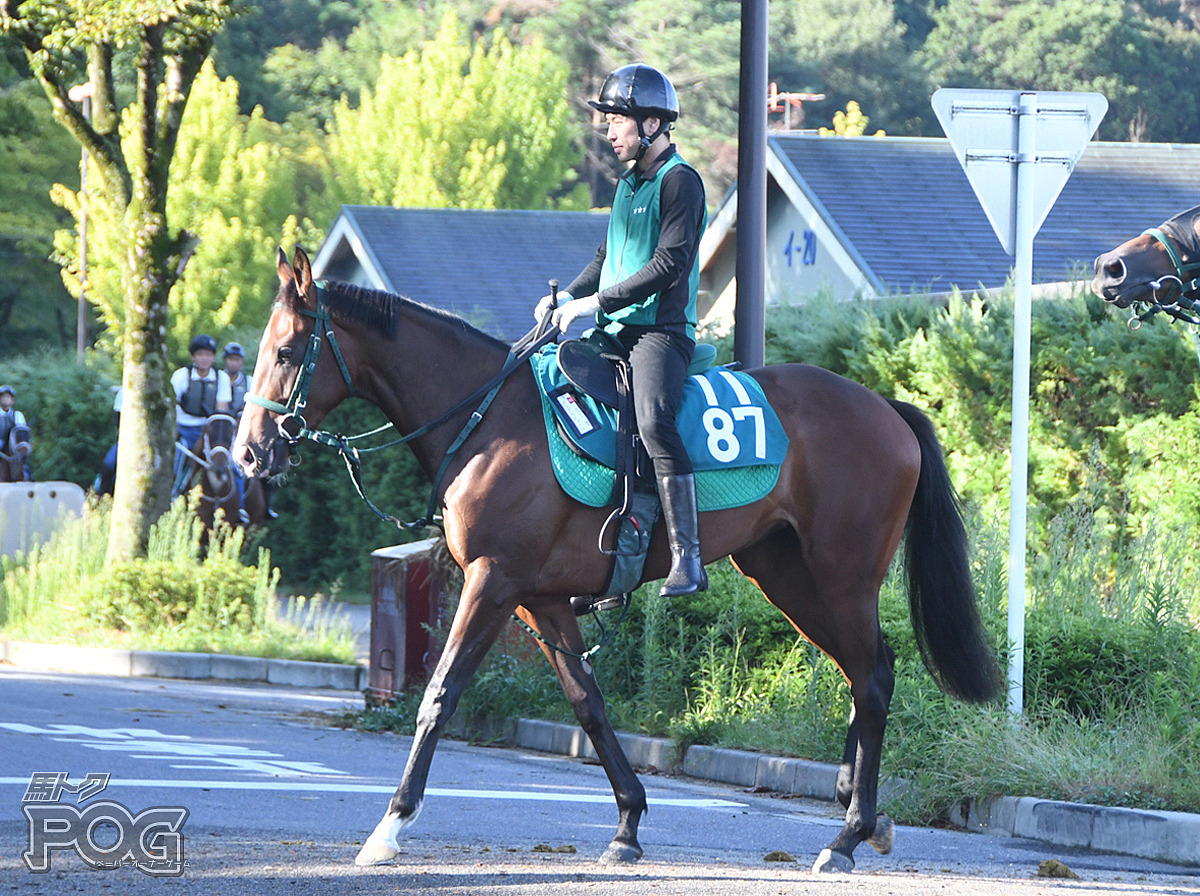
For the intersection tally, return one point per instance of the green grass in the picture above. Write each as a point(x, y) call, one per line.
point(182, 596)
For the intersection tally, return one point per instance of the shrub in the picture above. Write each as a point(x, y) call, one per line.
point(145, 595)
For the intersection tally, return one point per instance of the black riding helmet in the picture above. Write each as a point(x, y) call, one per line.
point(640, 91)
point(202, 342)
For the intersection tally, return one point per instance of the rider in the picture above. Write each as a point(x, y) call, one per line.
point(233, 359)
point(642, 287)
point(200, 391)
point(10, 417)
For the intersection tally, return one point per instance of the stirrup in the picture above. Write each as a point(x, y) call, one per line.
point(583, 604)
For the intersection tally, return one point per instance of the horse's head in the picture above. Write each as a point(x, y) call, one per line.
point(285, 396)
point(1157, 267)
point(216, 441)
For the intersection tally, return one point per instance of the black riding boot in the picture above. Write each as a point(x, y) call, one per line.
point(687, 576)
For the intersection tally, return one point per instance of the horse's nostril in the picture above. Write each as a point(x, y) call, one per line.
point(245, 459)
point(1115, 270)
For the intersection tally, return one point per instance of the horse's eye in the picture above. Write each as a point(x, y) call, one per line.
point(284, 355)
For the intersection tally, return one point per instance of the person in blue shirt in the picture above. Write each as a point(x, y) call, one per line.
point(10, 420)
point(642, 287)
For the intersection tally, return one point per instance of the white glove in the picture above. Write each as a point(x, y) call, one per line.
point(572, 311)
point(544, 303)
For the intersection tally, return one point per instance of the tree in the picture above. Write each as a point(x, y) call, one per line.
point(233, 185)
point(851, 50)
point(454, 127)
point(35, 307)
point(153, 51)
point(1108, 46)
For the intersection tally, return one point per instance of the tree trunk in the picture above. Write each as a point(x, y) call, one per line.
point(152, 262)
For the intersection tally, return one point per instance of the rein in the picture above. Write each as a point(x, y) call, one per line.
point(293, 428)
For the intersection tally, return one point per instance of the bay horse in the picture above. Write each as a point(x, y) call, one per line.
point(14, 458)
point(212, 468)
point(1158, 269)
point(859, 471)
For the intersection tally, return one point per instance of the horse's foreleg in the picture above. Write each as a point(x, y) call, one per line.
point(482, 613)
point(559, 626)
point(864, 749)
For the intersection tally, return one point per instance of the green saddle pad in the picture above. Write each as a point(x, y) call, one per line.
point(591, 482)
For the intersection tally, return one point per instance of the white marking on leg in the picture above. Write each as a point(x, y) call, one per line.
point(383, 845)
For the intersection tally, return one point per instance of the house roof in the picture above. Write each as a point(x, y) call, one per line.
point(908, 211)
point(488, 266)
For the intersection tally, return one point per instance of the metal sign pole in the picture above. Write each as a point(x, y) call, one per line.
point(1022, 315)
point(1017, 185)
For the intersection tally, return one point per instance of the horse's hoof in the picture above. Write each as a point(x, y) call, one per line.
point(620, 854)
point(885, 835)
point(830, 862)
point(375, 852)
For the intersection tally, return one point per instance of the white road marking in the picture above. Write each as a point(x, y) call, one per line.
point(148, 743)
point(337, 787)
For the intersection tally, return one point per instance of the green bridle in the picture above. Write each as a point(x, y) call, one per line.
point(292, 425)
point(1184, 279)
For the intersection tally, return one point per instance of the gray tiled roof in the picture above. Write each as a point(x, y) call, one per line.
point(488, 266)
point(908, 209)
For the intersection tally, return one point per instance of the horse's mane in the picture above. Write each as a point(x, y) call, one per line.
point(380, 310)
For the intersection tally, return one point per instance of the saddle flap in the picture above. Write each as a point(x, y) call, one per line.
point(582, 362)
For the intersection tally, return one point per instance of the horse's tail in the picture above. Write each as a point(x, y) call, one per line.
point(941, 594)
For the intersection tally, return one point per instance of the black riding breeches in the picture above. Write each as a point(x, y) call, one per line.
point(660, 361)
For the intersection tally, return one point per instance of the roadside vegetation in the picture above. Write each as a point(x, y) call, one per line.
point(1112, 708)
point(190, 593)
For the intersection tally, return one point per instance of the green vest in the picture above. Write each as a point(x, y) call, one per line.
point(633, 229)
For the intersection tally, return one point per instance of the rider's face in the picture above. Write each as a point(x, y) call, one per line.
point(623, 134)
point(233, 363)
point(202, 359)
point(6, 400)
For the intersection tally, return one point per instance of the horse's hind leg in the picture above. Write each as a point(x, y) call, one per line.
point(484, 608)
point(559, 626)
point(840, 615)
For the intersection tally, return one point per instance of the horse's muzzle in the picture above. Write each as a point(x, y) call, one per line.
point(1110, 274)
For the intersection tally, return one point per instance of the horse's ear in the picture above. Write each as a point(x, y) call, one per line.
point(285, 269)
point(303, 269)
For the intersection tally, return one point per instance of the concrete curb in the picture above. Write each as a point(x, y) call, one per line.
point(1163, 836)
point(165, 664)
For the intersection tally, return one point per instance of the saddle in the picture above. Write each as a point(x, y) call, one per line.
point(733, 436)
point(592, 364)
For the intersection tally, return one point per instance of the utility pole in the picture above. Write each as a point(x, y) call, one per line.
point(82, 93)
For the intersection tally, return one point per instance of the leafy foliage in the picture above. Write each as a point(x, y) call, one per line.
point(234, 185)
point(451, 126)
point(35, 307)
point(192, 592)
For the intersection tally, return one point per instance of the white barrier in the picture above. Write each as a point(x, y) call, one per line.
point(31, 511)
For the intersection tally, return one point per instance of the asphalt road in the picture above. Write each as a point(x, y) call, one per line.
point(278, 802)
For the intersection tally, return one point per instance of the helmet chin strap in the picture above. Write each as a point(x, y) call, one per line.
point(645, 141)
